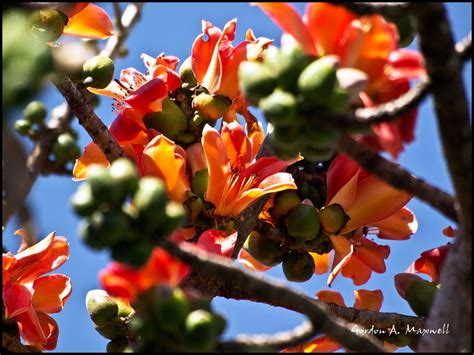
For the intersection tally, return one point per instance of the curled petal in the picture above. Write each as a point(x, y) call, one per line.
point(160, 159)
point(196, 157)
point(372, 255)
point(406, 64)
point(430, 262)
point(286, 16)
point(149, 96)
point(128, 129)
point(92, 155)
point(250, 262)
point(331, 297)
point(217, 242)
point(322, 262)
point(16, 298)
point(38, 329)
point(369, 300)
point(51, 293)
point(340, 172)
point(203, 49)
point(399, 226)
point(90, 22)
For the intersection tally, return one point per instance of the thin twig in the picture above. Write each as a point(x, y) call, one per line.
point(89, 120)
point(397, 176)
point(257, 284)
point(118, 15)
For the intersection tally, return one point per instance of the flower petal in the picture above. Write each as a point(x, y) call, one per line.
point(217, 242)
point(430, 262)
point(203, 49)
point(331, 297)
point(406, 64)
point(322, 344)
point(237, 144)
point(160, 159)
point(16, 299)
point(149, 96)
point(51, 293)
point(31, 329)
point(286, 16)
point(92, 155)
point(369, 300)
point(128, 129)
point(91, 22)
point(372, 255)
point(340, 172)
point(399, 226)
point(250, 262)
point(322, 262)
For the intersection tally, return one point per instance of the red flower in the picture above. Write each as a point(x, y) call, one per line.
point(29, 295)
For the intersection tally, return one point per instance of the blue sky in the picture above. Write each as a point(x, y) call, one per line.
point(172, 28)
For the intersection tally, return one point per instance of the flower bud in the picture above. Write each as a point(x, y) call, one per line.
point(199, 182)
point(98, 72)
point(284, 202)
point(103, 186)
point(194, 205)
point(287, 63)
point(303, 222)
point(110, 331)
point(318, 81)
point(23, 127)
point(171, 308)
point(186, 74)
point(263, 249)
point(185, 138)
point(65, 148)
point(306, 190)
point(419, 295)
point(83, 201)
point(196, 120)
point(174, 217)
point(352, 80)
point(150, 198)
point(333, 218)
point(213, 107)
point(200, 331)
point(47, 25)
point(256, 81)
point(314, 154)
point(35, 112)
point(118, 345)
point(171, 121)
point(280, 107)
point(125, 175)
point(135, 253)
point(320, 138)
point(101, 307)
point(111, 227)
point(298, 267)
point(405, 29)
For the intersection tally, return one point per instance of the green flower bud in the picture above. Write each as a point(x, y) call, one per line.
point(47, 25)
point(125, 175)
point(174, 217)
point(284, 202)
point(185, 138)
point(196, 120)
point(140, 327)
point(150, 198)
point(298, 267)
point(171, 308)
point(199, 182)
point(306, 190)
point(101, 307)
point(200, 331)
point(313, 154)
point(118, 345)
point(419, 296)
point(23, 127)
point(111, 227)
point(35, 112)
point(287, 63)
point(221, 323)
point(103, 186)
point(98, 72)
point(110, 331)
point(320, 138)
point(303, 222)
point(405, 29)
point(65, 148)
point(263, 249)
point(213, 107)
point(186, 73)
point(194, 205)
point(333, 218)
point(171, 121)
point(280, 107)
point(83, 200)
point(318, 81)
point(135, 253)
point(256, 81)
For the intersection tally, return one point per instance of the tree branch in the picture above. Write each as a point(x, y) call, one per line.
point(391, 9)
point(88, 119)
point(257, 285)
point(453, 304)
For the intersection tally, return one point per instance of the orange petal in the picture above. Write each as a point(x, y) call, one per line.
point(113, 90)
point(340, 172)
point(41, 258)
point(91, 22)
point(92, 155)
point(327, 24)
point(369, 300)
point(372, 255)
point(161, 160)
point(321, 262)
point(16, 299)
point(343, 251)
point(51, 293)
point(375, 200)
point(237, 144)
point(217, 162)
point(331, 297)
point(250, 262)
point(322, 344)
point(286, 16)
point(356, 270)
point(196, 158)
point(31, 329)
point(399, 226)
point(203, 49)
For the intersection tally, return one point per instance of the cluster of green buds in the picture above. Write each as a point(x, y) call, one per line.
point(110, 316)
point(30, 125)
point(171, 320)
point(47, 25)
point(289, 87)
point(306, 225)
point(125, 213)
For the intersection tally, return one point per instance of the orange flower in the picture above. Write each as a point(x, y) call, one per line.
point(86, 20)
point(430, 262)
point(370, 203)
point(236, 179)
point(364, 299)
point(368, 43)
point(215, 62)
point(29, 295)
point(121, 280)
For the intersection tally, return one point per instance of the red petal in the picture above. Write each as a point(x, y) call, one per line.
point(217, 242)
point(16, 298)
point(51, 293)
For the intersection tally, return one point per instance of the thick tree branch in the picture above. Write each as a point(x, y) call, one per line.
point(257, 285)
point(453, 304)
point(397, 176)
point(391, 9)
point(88, 119)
